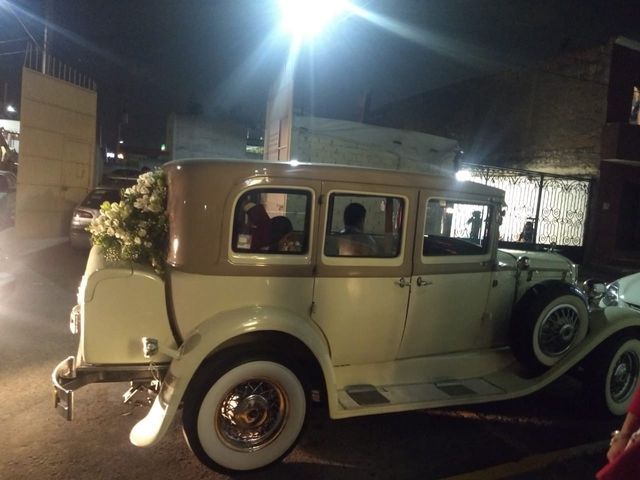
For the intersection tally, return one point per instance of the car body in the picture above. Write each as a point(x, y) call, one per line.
point(244, 326)
point(8, 185)
point(624, 292)
point(87, 210)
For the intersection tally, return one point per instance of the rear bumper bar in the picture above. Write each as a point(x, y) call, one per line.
point(66, 378)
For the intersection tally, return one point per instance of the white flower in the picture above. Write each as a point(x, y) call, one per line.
point(123, 233)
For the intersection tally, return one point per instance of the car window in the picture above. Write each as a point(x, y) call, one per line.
point(363, 226)
point(98, 197)
point(455, 228)
point(272, 221)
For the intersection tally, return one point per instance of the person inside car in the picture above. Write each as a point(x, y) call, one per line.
point(358, 244)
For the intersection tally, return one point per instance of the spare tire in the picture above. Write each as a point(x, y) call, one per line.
point(550, 320)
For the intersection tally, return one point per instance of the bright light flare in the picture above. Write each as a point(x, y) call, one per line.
point(11, 109)
point(307, 18)
point(463, 175)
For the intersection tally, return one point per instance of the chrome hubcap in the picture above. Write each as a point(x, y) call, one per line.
point(251, 414)
point(558, 330)
point(624, 377)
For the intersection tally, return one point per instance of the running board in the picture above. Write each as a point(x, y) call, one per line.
point(359, 396)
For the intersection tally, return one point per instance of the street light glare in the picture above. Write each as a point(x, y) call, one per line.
point(463, 175)
point(307, 18)
point(11, 109)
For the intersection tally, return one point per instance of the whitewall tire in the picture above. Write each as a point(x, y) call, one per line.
point(612, 375)
point(560, 326)
point(244, 416)
point(547, 323)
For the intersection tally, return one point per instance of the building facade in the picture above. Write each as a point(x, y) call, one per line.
point(574, 115)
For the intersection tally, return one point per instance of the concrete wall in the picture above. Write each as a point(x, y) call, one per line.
point(547, 118)
point(198, 137)
point(57, 153)
point(323, 140)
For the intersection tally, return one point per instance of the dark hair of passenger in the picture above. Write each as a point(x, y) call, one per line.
point(354, 215)
point(280, 226)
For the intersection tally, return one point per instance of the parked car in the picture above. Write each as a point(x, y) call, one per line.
point(119, 176)
point(624, 292)
point(86, 211)
point(375, 291)
point(8, 184)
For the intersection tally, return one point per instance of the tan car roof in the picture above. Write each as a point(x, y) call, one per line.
point(242, 170)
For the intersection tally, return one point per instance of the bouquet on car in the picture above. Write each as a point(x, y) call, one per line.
point(135, 228)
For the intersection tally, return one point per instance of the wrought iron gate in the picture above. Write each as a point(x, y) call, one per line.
point(555, 205)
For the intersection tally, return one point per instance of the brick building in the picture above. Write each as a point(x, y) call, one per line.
point(570, 115)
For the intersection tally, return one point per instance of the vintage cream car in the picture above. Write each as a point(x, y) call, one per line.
point(373, 291)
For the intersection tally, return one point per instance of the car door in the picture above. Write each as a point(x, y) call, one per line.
point(362, 276)
point(452, 268)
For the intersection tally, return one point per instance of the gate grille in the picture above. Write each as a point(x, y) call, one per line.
point(557, 205)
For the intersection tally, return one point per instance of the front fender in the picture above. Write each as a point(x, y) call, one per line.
point(608, 321)
point(208, 337)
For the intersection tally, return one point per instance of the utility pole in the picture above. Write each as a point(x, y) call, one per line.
point(48, 37)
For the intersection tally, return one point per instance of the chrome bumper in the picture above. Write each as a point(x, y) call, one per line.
point(66, 378)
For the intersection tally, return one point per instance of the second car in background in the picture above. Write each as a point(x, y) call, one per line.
point(86, 211)
point(624, 292)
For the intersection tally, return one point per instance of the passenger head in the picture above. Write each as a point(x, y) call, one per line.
point(354, 215)
point(280, 226)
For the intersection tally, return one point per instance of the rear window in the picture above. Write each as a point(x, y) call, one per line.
point(98, 197)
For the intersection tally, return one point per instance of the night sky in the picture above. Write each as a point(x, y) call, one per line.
point(153, 57)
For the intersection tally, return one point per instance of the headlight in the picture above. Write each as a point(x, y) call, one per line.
point(610, 298)
point(595, 290)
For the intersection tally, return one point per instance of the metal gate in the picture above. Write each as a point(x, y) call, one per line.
point(556, 206)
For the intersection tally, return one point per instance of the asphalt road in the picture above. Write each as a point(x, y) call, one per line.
point(543, 436)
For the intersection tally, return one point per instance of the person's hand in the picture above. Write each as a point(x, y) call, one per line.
point(618, 443)
point(616, 449)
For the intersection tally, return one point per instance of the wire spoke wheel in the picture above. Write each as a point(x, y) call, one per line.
point(242, 415)
point(547, 323)
point(558, 330)
point(612, 375)
point(251, 414)
point(624, 376)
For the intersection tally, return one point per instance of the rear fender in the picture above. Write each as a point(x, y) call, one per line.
point(212, 336)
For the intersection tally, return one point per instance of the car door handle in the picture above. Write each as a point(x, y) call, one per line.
point(403, 282)
point(423, 283)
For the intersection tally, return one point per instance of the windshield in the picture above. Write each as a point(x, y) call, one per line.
point(99, 196)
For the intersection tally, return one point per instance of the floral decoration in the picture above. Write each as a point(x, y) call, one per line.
point(135, 228)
